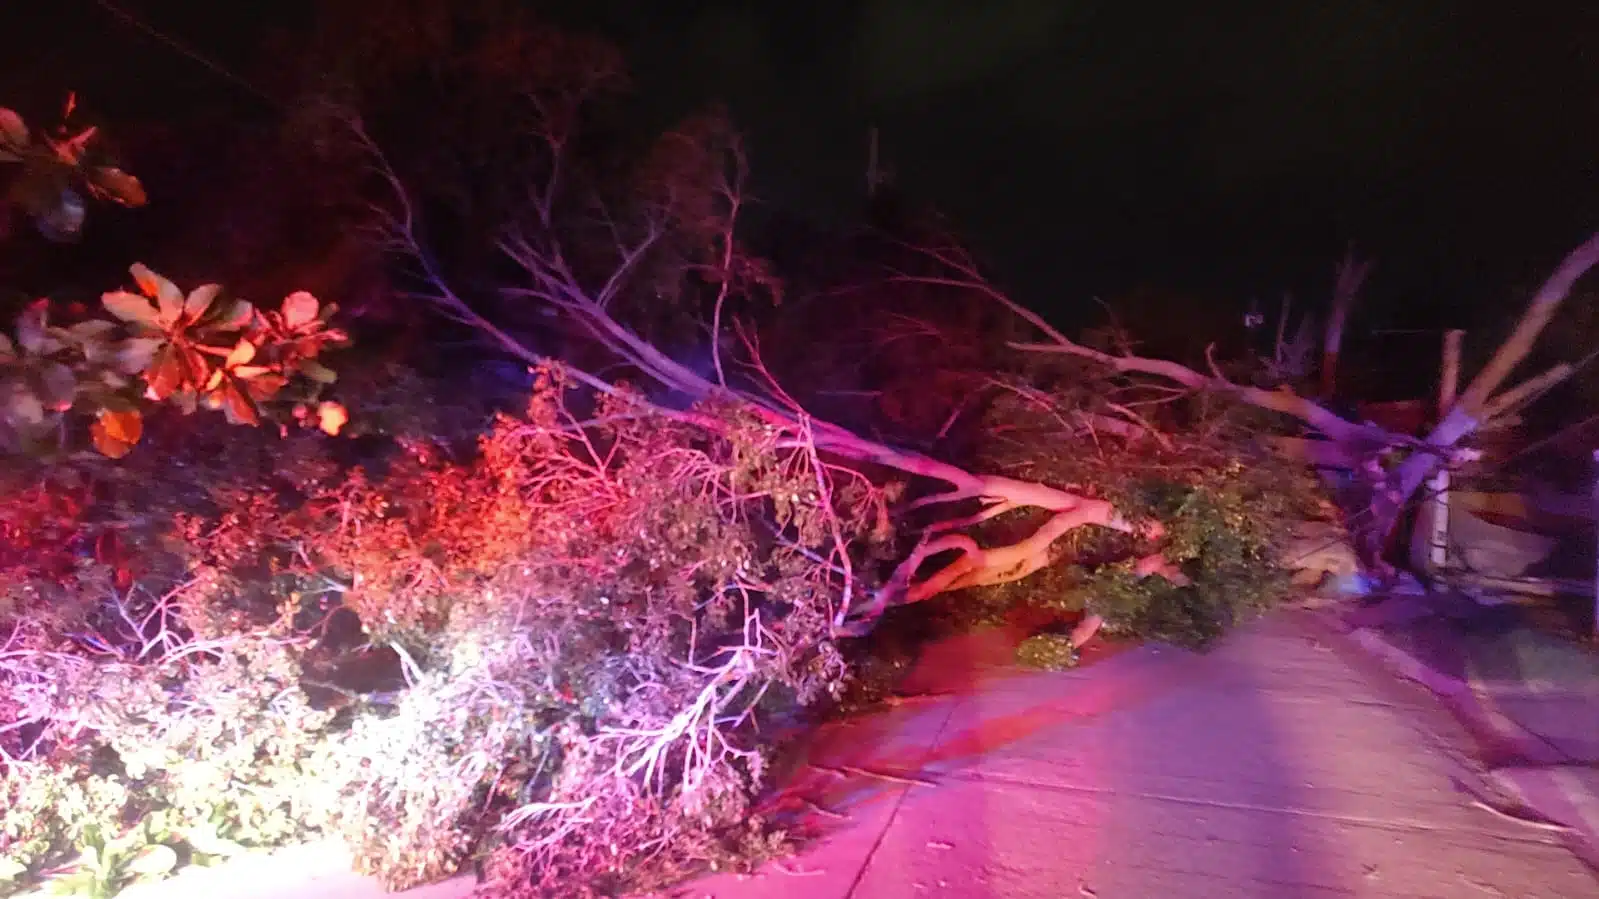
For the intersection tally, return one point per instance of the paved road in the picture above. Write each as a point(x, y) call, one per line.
point(1286, 763)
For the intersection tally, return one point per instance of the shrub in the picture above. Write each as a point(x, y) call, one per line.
point(577, 632)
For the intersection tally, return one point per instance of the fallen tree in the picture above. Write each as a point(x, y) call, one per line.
point(624, 256)
point(538, 245)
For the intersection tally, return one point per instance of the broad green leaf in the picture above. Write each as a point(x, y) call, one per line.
point(88, 858)
point(153, 861)
point(124, 843)
point(204, 839)
point(158, 824)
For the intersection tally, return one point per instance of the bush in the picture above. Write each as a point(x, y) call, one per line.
point(552, 654)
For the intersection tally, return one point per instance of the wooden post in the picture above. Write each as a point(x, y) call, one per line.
point(1438, 484)
point(1449, 380)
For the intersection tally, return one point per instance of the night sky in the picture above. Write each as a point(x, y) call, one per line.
point(1086, 146)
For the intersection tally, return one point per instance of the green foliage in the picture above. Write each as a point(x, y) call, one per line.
point(1220, 525)
point(110, 863)
point(1049, 652)
point(1221, 503)
point(202, 756)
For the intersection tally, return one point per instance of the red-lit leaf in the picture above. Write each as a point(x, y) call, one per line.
point(238, 408)
point(219, 352)
point(165, 374)
point(131, 308)
point(241, 354)
point(299, 310)
point(72, 150)
point(13, 131)
point(125, 425)
point(114, 433)
point(199, 300)
point(166, 294)
point(196, 368)
point(265, 386)
point(331, 418)
point(119, 186)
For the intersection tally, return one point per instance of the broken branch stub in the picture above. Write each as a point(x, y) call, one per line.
point(1478, 402)
point(1476, 405)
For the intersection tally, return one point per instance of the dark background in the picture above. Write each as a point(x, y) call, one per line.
point(1087, 146)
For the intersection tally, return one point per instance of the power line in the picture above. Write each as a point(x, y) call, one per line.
point(134, 22)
